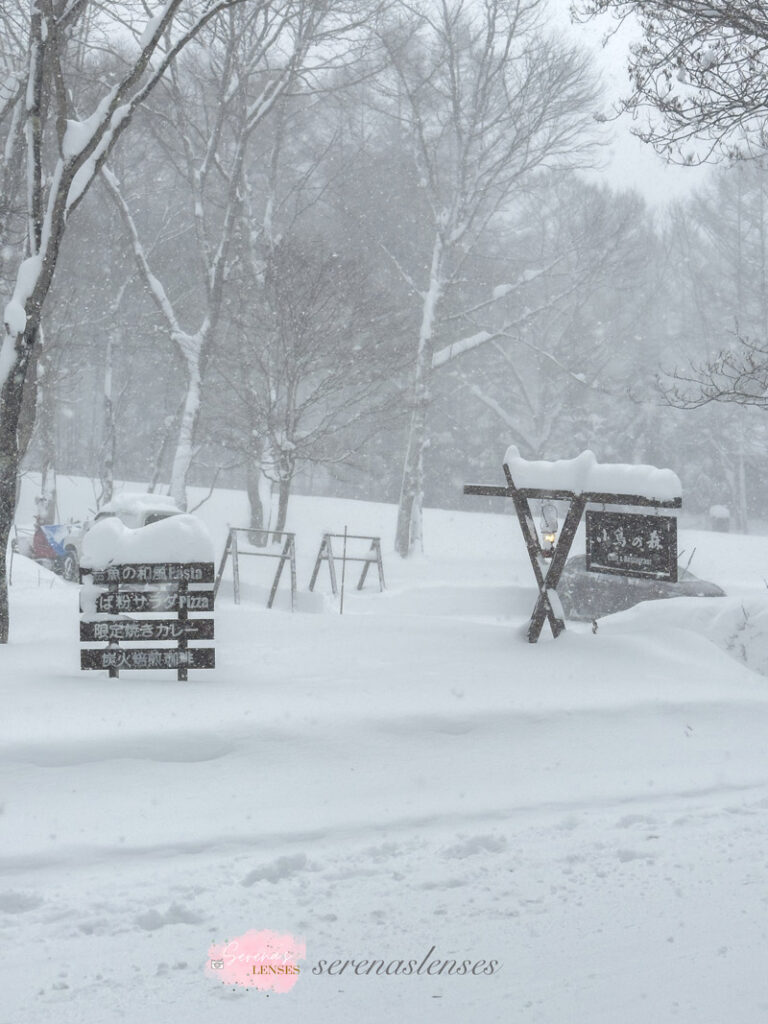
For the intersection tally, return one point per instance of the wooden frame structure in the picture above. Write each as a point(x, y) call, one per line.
point(286, 554)
point(548, 577)
point(326, 554)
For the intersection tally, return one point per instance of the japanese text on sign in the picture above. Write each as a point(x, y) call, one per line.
point(169, 572)
point(627, 544)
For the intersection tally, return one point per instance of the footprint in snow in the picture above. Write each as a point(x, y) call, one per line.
point(152, 919)
point(276, 870)
point(625, 856)
point(18, 902)
point(473, 845)
point(635, 819)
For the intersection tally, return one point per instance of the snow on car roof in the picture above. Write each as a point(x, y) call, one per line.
point(136, 502)
point(180, 539)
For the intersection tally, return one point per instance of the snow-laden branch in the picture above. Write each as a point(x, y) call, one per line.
point(458, 348)
point(156, 288)
point(503, 291)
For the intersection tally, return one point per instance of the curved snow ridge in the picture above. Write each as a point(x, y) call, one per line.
point(185, 748)
point(281, 842)
point(450, 600)
point(624, 712)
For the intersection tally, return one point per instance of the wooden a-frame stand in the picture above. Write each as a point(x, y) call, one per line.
point(327, 554)
point(548, 577)
point(287, 554)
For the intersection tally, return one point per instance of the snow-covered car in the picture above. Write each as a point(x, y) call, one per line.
point(589, 595)
point(133, 508)
point(44, 544)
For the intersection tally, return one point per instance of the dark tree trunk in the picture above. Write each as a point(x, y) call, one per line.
point(13, 444)
point(253, 478)
point(108, 445)
point(282, 504)
point(46, 417)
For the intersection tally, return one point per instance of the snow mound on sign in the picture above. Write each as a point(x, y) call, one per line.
point(181, 538)
point(585, 473)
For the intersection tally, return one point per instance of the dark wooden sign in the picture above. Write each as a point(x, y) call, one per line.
point(166, 572)
point(149, 601)
point(116, 658)
point(146, 629)
point(645, 551)
point(628, 544)
point(129, 589)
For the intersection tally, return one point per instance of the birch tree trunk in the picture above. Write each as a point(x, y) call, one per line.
point(410, 535)
point(190, 413)
point(254, 478)
point(107, 468)
point(484, 101)
point(46, 415)
point(63, 156)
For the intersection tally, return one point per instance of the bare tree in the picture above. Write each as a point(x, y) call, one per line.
point(737, 375)
point(484, 99)
point(699, 72)
point(252, 58)
point(62, 153)
point(574, 344)
point(315, 368)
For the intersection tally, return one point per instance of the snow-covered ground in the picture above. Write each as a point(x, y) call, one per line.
point(592, 812)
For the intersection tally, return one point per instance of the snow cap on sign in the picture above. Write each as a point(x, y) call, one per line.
point(586, 474)
point(180, 538)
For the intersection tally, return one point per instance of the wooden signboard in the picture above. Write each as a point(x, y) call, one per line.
point(165, 572)
point(128, 590)
point(116, 658)
point(624, 544)
point(148, 601)
point(627, 544)
point(146, 629)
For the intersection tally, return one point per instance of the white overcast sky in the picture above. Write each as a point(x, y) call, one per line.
point(628, 162)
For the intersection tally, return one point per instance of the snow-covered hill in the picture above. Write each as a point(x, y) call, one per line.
point(590, 812)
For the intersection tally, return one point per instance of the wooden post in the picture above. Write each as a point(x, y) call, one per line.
point(332, 567)
point(281, 562)
point(343, 571)
point(183, 614)
point(550, 581)
point(114, 588)
point(366, 564)
point(293, 572)
point(235, 568)
point(222, 563)
point(319, 559)
point(380, 565)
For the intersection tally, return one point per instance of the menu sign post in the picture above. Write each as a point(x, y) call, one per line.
point(153, 589)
